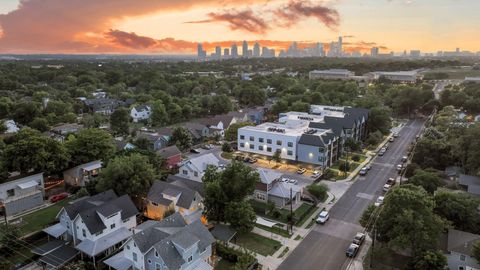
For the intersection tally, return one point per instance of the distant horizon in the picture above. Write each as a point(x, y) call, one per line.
point(175, 27)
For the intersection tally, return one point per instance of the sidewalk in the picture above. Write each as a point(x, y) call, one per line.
point(357, 262)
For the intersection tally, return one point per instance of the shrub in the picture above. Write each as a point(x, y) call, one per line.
point(319, 191)
point(329, 174)
point(226, 147)
point(343, 166)
point(356, 158)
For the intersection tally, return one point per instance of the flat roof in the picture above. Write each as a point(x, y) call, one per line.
point(397, 73)
point(289, 127)
point(332, 71)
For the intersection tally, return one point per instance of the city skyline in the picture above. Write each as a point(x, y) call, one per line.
point(176, 27)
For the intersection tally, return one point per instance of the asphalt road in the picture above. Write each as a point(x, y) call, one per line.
point(324, 247)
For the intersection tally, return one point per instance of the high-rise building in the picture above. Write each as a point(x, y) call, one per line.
point(374, 51)
point(201, 54)
point(256, 50)
point(245, 49)
point(218, 52)
point(415, 53)
point(234, 50)
point(340, 46)
point(226, 52)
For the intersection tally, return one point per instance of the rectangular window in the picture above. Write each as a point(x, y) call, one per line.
point(112, 226)
point(252, 146)
point(269, 141)
point(242, 137)
point(157, 266)
point(269, 149)
point(84, 233)
point(252, 138)
point(190, 259)
point(128, 247)
point(290, 144)
point(260, 147)
point(185, 172)
point(462, 258)
point(290, 152)
point(321, 149)
point(279, 142)
point(134, 255)
point(10, 192)
point(242, 144)
point(195, 173)
point(260, 139)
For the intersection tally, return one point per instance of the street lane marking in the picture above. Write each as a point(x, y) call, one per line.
point(365, 196)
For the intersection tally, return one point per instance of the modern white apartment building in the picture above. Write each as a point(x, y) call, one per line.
point(397, 76)
point(331, 74)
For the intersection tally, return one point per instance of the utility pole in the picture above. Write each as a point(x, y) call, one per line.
point(291, 212)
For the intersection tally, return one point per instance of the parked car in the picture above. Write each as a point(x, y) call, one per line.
point(382, 151)
point(391, 139)
point(284, 179)
point(404, 159)
point(194, 151)
point(59, 197)
point(363, 171)
point(391, 181)
point(396, 135)
point(315, 174)
point(359, 238)
point(399, 167)
point(252, 160)
point(386, 187)
point(323, 217)
point(207, 146)
point(352, 250)
point(368, 166)
point(379, 201)
point(293, 181)
point(301, 170)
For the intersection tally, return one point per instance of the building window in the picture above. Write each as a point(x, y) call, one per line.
point(242, 137)
point(269, 149)
point(195, 173)
point(260, 147)
point(11, 192)
point(462, 258)
point(290, 152)
point(321, 159)
point(321, 149)
point(279, 142)
point(112, 226)
point(252, 146)
point(128, 247)
point(84, 233)
point(185, 172)
point(190, 259)
point(269, 141)
point(290, 144)
point(156, 254)
point(149, 261)
point(260, 139)
point(242, 144)
point(134, 255)
point(261, 196)
point(157, 266)
point(252, 138)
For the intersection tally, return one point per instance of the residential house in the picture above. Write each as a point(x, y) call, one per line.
point(256, 115)
point(470, 182)
point(20, 194)
point(194, 168)
point(272, 189)
point(60, 132)
point(198, 131)
point(124, 145)
point(11, 126)
point(459, 250)
point(167, 244)
point(140, 113)
point(172, 156)
point(219, 123)
point(164, 197)
point(103, 105)
point(78, 176)
point(158, 141)
point(97, 225)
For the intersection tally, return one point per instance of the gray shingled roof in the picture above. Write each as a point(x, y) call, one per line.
point(159, 188)
point(88, 202)
point(311, 139)
point(168, 152)
point(461, 242)
point(186, 183)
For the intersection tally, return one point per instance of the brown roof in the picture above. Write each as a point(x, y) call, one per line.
point(168, 152)
point(461, 242)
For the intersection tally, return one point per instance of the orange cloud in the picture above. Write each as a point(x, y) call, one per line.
point(244, 20)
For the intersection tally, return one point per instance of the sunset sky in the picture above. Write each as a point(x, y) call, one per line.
point(175, 26)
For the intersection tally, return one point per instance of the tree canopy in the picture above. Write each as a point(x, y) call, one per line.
point(89, 145)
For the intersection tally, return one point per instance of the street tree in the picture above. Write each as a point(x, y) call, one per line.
point(132, 175)
point(276, 156)
point(429, 260)
point(90, 144)
point(407, 219)
point(429, 180)
point(181, 138)
point(460, 209)
point(159, 113)
point(240, 215)
point(476, 251)
point(119, 121)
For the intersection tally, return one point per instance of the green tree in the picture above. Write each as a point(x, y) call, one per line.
point(159, 114)
point(80, 265)
point(476, 251)
point(120, 121)
point(407, 220)
point(132, 175)
point(93, 120)
point(276, 156)
point(353, 145)
point(244, 260)
point(181, 138)
point(458, 208)
point(29, 150)
point(231, 133)
point(318, 191)
point(429, 260)
point(379, 120)
point(211, 174)
point(25, 112)
point(40, 124)
point(368, 216)
point(90, 144)
point(240, 215)
point(10, 239)
point(430, 181)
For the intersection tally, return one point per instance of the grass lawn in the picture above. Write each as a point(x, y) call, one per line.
point(304, 212)
point(40, 219)
point(224, 265)
point(260, 209)
point(275, 230)
point(257, 243)
point(226, 155)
